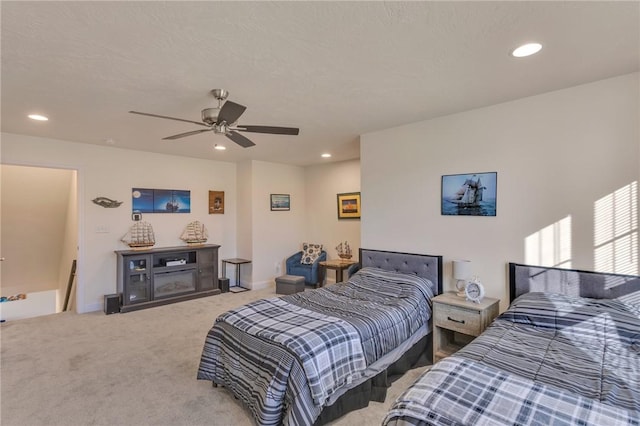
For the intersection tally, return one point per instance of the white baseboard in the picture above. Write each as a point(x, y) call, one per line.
point(91, 307)
point(259, 285)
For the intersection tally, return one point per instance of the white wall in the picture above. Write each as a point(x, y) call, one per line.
point(36, 304)
point(248, 228)
point(112, 172)
point(35, 203)
point(556, 154)
point(245, 210)
point(69, 246)
point(323, 184)
point(276, 234)
point(269, 237)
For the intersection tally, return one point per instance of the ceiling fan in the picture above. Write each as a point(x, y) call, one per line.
point(223, 120)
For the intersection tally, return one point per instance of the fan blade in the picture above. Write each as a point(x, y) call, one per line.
point(170, 118)
point(239, 139)
point(182, 135)
point(269, 129)
point(230, 112)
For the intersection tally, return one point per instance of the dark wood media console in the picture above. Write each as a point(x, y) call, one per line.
point(159, 276)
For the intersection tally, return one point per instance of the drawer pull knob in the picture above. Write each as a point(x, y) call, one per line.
point(455, 320)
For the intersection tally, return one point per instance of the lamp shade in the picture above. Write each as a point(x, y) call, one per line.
point(461, 269)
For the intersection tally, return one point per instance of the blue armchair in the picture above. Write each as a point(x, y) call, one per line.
point(311, 273)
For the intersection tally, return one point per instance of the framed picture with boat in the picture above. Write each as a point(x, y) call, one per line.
point(349, 205)
point(280, 202)
point(145, 200)
point(470, 194)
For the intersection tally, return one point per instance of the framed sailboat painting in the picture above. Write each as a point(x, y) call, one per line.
point(472, 194)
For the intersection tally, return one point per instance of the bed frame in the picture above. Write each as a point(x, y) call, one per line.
point(573, 282)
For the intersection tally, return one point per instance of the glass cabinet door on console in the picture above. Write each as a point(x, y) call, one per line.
point(138, 279)
point(207, 262)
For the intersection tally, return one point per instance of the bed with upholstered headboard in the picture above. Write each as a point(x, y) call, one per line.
point(426, 266)
point(566, 352)
point(572, 282)
point(309, 357)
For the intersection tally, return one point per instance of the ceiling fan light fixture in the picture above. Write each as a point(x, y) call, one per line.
point(219, 147)
point(526, 50)
point(38, 117)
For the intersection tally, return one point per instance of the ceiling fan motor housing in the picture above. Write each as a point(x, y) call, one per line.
point(210, 115)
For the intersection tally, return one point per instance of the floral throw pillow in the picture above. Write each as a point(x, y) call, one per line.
point(310, 253)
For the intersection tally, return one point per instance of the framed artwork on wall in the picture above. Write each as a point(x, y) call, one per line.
point(146, 200)
point(471, 194)
point(280, 202)
point(349, 205)
point(216, 202)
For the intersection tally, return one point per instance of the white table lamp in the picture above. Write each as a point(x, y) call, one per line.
point(461, 273)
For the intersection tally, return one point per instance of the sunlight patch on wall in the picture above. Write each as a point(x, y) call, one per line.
point(550, 246)
point(616, 231)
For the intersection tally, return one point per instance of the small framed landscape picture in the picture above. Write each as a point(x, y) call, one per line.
point(216, 202)
point(280, 202)
point(472, 194)
point(349, 205)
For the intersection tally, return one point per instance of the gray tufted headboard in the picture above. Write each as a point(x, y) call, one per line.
point(573, 282)
point(423, 265)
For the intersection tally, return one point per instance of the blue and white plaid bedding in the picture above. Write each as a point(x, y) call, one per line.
point(328, 348)
point(549, 359)
point(285, 356)
point(459, 391)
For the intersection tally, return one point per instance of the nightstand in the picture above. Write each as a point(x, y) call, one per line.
point(456, 322)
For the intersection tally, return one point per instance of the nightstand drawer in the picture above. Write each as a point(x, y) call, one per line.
point(457, 319)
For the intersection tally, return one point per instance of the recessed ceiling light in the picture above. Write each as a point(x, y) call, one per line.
point(326, 155)
point(526, 50)
point(38, 117)
point(219, 147)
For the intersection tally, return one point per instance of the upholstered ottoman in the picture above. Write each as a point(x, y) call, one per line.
point(289, 284)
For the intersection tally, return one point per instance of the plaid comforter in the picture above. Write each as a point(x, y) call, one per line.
point(328, 348)
point(549, 359)
point(284, 357)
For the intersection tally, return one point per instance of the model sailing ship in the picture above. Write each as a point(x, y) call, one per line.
point(194, 233)
point(470, 194)
point(344, 251)
point(172, 206)
point(140, 236)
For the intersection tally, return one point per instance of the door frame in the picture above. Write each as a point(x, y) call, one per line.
point(81, 306)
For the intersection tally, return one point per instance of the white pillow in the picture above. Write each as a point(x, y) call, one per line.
point(310, 253)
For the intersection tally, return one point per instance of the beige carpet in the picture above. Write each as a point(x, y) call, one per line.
point(137, 368)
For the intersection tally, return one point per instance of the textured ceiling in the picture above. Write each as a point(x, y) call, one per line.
point(336, 70)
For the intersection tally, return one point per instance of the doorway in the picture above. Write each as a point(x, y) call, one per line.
point(39, 239)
